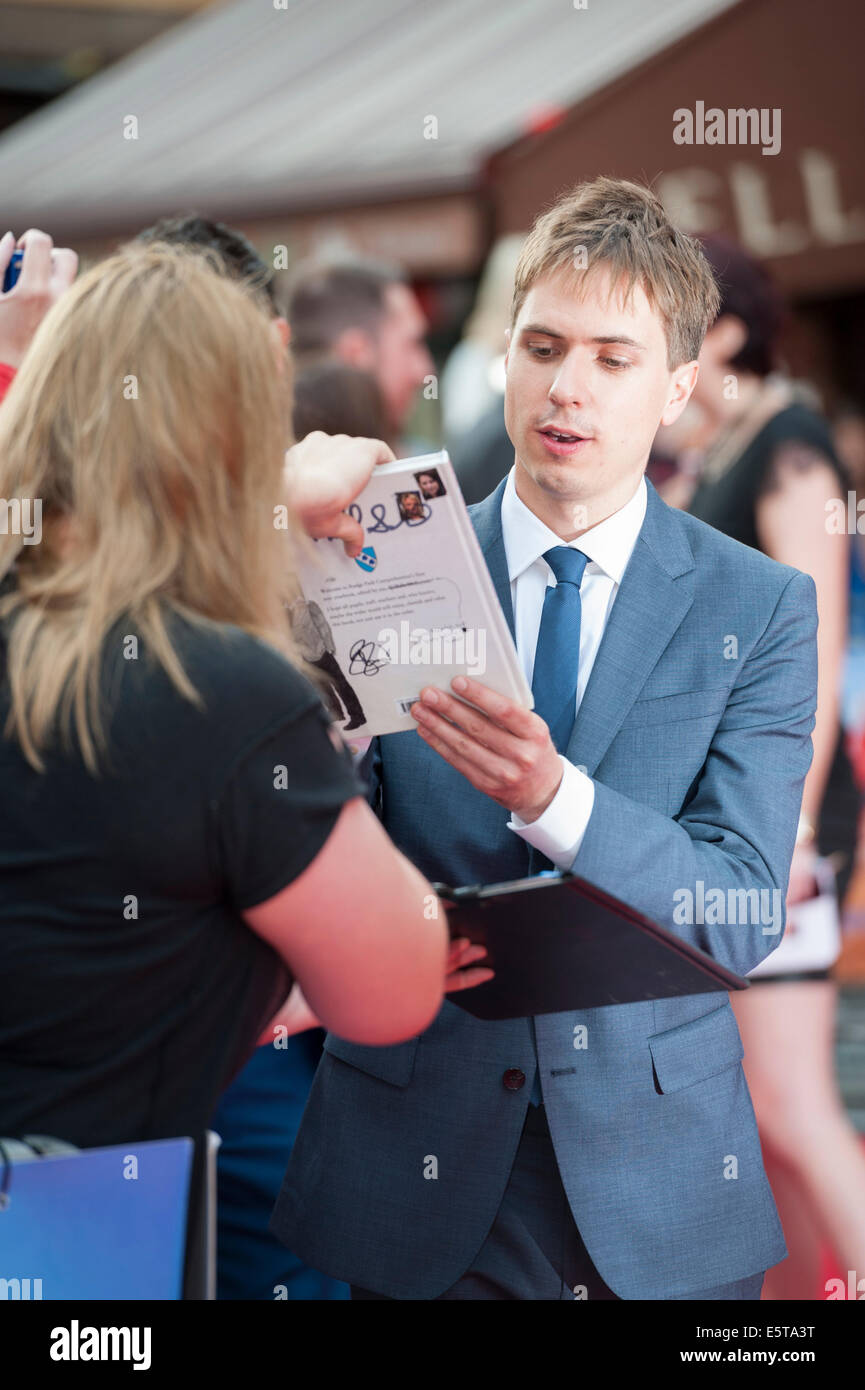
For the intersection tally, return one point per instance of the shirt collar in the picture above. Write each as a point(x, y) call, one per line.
point(608, 545)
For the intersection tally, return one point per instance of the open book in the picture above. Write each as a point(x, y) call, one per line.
point(417, 607)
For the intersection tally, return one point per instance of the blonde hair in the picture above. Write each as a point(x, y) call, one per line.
point(150, 420)
point(623, 226)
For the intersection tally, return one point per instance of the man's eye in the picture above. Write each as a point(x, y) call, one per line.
point(615, 363)
point(538, 351)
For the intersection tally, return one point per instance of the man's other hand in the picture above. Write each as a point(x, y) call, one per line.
point(504, 750)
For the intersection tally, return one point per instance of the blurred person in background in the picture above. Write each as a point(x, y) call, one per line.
point(473, 377)
point(475, 435)
point(160, 896)
point(337, 399)
point(233, 251)
point(848, 428)
point(764, 471)
point(364, 315)
point(483, 456)
point(258, 1115)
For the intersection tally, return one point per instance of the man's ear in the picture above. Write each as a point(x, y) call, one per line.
point(279, 335)
point(682, 384)
point(355, 347)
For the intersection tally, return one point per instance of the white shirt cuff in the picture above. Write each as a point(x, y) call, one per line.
point(558, 832)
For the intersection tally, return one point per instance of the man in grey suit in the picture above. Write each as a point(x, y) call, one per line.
point(608, 1153)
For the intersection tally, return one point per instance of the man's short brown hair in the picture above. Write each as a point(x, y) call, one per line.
point(624, 226)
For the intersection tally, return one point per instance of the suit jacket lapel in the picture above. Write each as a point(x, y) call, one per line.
point(656, 591)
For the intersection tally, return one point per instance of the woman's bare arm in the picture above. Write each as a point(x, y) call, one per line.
point(363, 934)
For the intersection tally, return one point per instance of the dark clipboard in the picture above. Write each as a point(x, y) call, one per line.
point(558, 942)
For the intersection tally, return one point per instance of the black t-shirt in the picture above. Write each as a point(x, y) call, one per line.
point(132, 991)
point(729, 503)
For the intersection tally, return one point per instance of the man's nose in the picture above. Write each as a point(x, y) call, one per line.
point(569, 384)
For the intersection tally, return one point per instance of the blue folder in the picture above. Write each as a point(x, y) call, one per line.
point(99, 1224)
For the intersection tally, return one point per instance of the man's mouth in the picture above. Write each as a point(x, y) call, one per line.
point(563, 441)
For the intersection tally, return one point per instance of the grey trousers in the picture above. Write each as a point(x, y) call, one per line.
point(534, 1249)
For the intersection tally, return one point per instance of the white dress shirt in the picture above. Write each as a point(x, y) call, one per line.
point(558, 832)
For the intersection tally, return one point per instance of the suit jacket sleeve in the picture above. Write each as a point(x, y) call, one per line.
point(737, 826)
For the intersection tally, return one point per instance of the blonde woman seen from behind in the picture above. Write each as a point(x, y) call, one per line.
point(182, 833)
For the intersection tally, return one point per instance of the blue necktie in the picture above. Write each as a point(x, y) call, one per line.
point(554, 680)
point(557, 655)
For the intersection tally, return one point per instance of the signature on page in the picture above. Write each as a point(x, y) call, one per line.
point(363, 660)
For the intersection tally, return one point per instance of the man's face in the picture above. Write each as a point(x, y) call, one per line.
point(402, 360)
point(579, 363)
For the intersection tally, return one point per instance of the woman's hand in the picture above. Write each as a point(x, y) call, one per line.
point(323, 475)
point(46, 273)
point(295, 1016)
point(460, 956)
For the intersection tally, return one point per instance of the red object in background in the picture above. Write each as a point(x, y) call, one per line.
point(543, 118)
point(828, 1270)
point(7, 376)
point(856, 752)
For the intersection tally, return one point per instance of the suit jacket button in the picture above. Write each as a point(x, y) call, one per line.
point(514, 1079)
